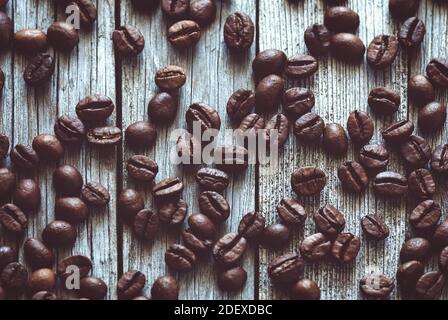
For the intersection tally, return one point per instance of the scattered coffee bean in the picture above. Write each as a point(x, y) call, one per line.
point(382, 51)
point(27, 195)
point(170, 78)
point(374, 227)
point(202, 11)
point(268, 93)
point(432, 117)
point(408, 274)
point(63, 36)
point(269, 62)
point(7, 255)
point(329, 220)
point(353, 177)
point(412, 32)
point(443, 260)
point(173, 213)
point(128, 41)
point(425, 216)
point(398, 132)
point(252, 225)
point(24, 158)
point(305, 289)
point(37, 254)
point(421, 184)
point(415, 249)
point(180, 258)
point(83, 263)
point(275, 236)
point(67, 181)
point(93, 288)
point(430, 285)
point(239, 32)
point(48, 147)
point(309, 128)
point(212, 179)
point(72, 210)
point(250, 126)
point(30, 40)
point(390, 184)
point(308, 181)
point(70, 130)
point(439, 159)
point(277, 131)
point(6, 30)
point(87, 11)
point(142, 168)
point(184, 34)
point(201, 247)
point(232, 280)
point(297, 102)
point(384, 100)
point(202, 226)
point(4, 146)
point(440, 236)
point(376, 286)
point(44, 296)
point(301, 66)
point(214, 206)
point(402, 9)
point(175, 9)
point(341, 19)
point(416, 152)
point(131, 284)
point(163, 108)
point(59, 234)
point(39, 70)
point(335, 139)
point(14, 277)
point(203, 115)
point(41, 280)
point(13, 219)
point(317, 39)
point(95, 194)
point(240, 104)
point(437, 72)
point(360, 127)
point(229, 250)
point(104, 136)
point(286, 269)
point(315, 247)
point(129, 203)
point(168, 189)
point(347, 47)
point(95, 108)
point(188, 149)
point(231, 159)
point(346, 247)
point(291, 212)
point(165, 288)
point(420, 90)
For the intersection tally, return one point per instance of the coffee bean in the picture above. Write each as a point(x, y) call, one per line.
point(167, 189)
point(390, 184)
point(189, 149)
point(212, 179)
point(63, 36)
point(291, 212)
point(440, 236)
point(432, 117)
point(301, 66)
point(416, 152)
point(315, 247)
point(163, 108)
point(59, 234)
point(48, 147)
point(346, 247)
point(14, 277)
point(41, 280)
point(67, 181)
point(275, 236)
point(94, 194)
point(415, 249)
point(184, 34)
point(382, 51)
point(7, 183)
point(27, 195)
point(202, 226)
point(170, 78)
point(214, 206)
point(402, 9)
point(232, 280)
point(83, 263)
point(252, 225)
point(37, 254)
point(250, 126)
point(173, 213)
point(376, 286)
point(439, 159)
point(93, 288)
point(95, 108)
point(286, 269)
point(360, 127)
point(309, 128)
point(202, 11)
point(398, 132)
point(384, 100)
point(179, 258)
point(141, 134)
point(175, 8)
point(341, 19)
point(142, 168)
point(203, 115)
point(7, 255)
point(317, 39)
point(412, 32)
point(131, 284)
point(335, 139)
point(13, 219)
point(239, 32)
point(374, 158)
point(229, 250)
point(72, 210)
point(129, 203)
point(269, 62)
point(277, 128)
point(353, 177)
point(165, 288)
point(104, 136)
point(269, 93)
point(308, 181)
point(347, 47)
point(70, 130)
point(408, 274)
point(437, 72)
point(240, 104)
point(443, 260)
point(6, 30)
point(425, 216)
point(421, 184)
point(231, 159)
point(305, 289)
point(39, 70)
point(44, 295)
point(297, 102)
point(329, 220)
point(30, 40)
point(201, 247)
point(374, 227)
point(128, 41)
point(24, 158)
point(430, 285)
point(4, 145)
point(420, 90)
point(87, 11)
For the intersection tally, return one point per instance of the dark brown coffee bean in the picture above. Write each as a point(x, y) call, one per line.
point(239, 32)
point(179, 258)
point(6, 30)
point(437, 72)
point(412, 32)
point(269, 92)
point(252, 225)
point(232, 280)
point(128, 41)
point(39, 70)
point(231, 159)
point(142, 168)
point(229, 250)
point(240, 104)
point(14, 277)
point(202, 226)
point(13, 219)
point(250, 125)
point(24, 157)
point(67, 181)
point(173, 213)
point(163, 108)
point(170, 78)
point(335, 139)
point(87, 11)
point(214, 206)
point(353, 177)
point(59, 234)
point(202, 11)
point(30, 40)
point(420, 90)
point(201, 247)
point(27, 195)
point(376, 286)
point(430, 285)
point(317, 39)
point(286, 269)
point(398, 132)
point(315, 247)
point(390, 184)
point(341, 19)
point(402, 9)
point(275, 236)
point(131, 284)
point(347, 47)
point(95, 108)
point(415, 249)
point(37, 254)
point(374, 227)
point(416, 152)
point(382, 51)
point(346, 247)
point(94, 194)
point(384, 100)
point(269, 62)
point(305, 289)
point(104, 136)
point(440, 236)
point(167, 189)
point(308, 181)
point(374, 158)
point(439, 159)
point(301, 66)
point(203, 115)
point(41, 280)
point(329, 220)
point(44, 295)
point(421, 184)
point(189, 149)
point(291, 212)
point(70, 129)
point(129, 203)
point(425, 216)
point(141, 134)
point(309, 128)
point(7, 183)
point(443, 260)
point(212, 179)
point(165, 288)
point(72, 210)
point(184, 34)
point(277, 131)
point(175, 8)
point(4, 145)
point(297, 102)
point(63, 36)
point(82, 263)
point(408, 274)
point(7, 255)
point(48, 147)
point(93, 288)
point(360, 127)
point(432, 117)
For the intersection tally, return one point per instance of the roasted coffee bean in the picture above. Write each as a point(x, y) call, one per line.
point(297, 102)
point(239, 32)
point(72, 210)
point(390, 184)
point(24, 157)
point(415, 249)
point(382, 51)
point(184, 34)
point(104, 136)
point(286, 269)
point(374, 227)
point(421, 184)
point(83, 263)
point(440, 236)
point(129, 203)
point(317, 39)
point(93, 288)
point(14, 277)
point(41, 280)
point(13, 219)
point(416, 152)
point(269, 92)
point(252, 225)
point(430, 285)
point(27, 195)
point(44, 295)
point(402, 9)
point(341, 19)
point(48, 147)
point(353, 177)
point(346, 247)
point(384, 100)
point(439, 159)
point(335, 139)
point(188, 149)
point(232, 280)
point(167, 189)
point(408, 274)
point(131, 284)
point(432, 117)
point(170, 78)
point(212, 179)
point(37, 254)
point(231, 159)
point(308, 181)
point(277, 131)
point(203, 115)
point(6, 30)
point(305, 289)
point(301, 66)
point(240, 104)
point(179, 258)
point(63, 36)
point(173, 213)
point(163, 108)
point(202, 226)
point(175, 8)
point(420, 90)
point(291, 212)
point(165, 288)
point(229, 250)
point(4, 146)
point(398, 132)
point(70, 129)
point(329, 220)
point(309, 128)
point(141, 134)
point(87, 11)
point(67, 181)
point(412, 32)
point(7, 255)
point(376, 286)
point(437, 72)
point(128, 41)
point(251, 124)
point(374, 158)
point(39, 70)
point(94, 194)
point(443, 260)
point(202, 11)
point(59, 234)
point(425, 216)
point(360, 127)
point(347, 47)
point(315, 247)
point(269, 62)
point(30, 40)
point(275, 236)
point(7, 183)
point(95, 108)
point(201, 247)
point(142, 168)
point(214, 206)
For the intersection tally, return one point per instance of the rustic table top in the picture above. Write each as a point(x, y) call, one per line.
point(213, 75)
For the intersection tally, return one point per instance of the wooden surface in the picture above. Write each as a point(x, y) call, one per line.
point(213, 75)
